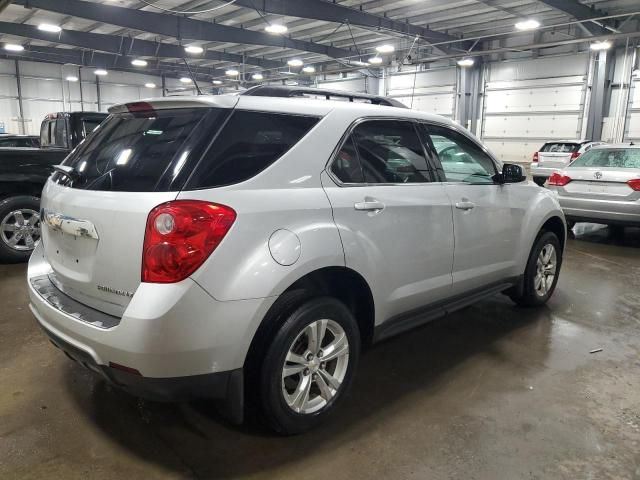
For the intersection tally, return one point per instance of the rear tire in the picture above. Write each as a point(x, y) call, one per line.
point(542, 272)
point(302, 380)
point(540, 181)
point(19, 228)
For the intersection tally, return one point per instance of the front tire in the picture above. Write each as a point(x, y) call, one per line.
point(19, 228)
point(309, 365)
point(541, 273)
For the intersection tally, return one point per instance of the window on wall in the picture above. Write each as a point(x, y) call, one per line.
point(390, 151)
point(462, 159)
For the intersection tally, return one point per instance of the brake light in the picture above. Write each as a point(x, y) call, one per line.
point(558, 179)
point(634, 184)
point(136, 107)
point(180, 235)
point(535, 157)
point(574, 155)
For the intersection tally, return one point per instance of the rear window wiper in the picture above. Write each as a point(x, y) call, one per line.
point(69, 172)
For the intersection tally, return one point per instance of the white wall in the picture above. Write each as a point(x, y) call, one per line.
point(429, 90)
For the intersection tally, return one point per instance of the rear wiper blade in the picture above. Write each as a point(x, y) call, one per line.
point(70, 172)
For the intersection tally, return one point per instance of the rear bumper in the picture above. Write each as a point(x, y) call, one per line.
point(600, 211)
point(544, 172)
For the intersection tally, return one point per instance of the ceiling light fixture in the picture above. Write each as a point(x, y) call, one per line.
point(100, 72)
point(12, 47)
point(599, 46)
point(295, 62)
point(375, 60)
point(150, 85)
point(276, 29)
point(257, 76)
point(386, 48)
point(529, 24)
point(71, 78)
point(465, 62)
point(194, 49)
point(47, 27)
point(139, 62)
point(186, 80)
point(232, 72)
point(309, 69)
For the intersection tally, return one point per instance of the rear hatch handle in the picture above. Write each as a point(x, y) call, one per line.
point(69, 225)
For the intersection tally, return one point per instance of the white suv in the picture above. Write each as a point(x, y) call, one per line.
point(245, 248)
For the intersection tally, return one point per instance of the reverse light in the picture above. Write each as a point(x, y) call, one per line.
point(180, 236)
point(558, 179)
point(535, 157)
point(634, 184)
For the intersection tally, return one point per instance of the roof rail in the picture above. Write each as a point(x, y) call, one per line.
point(286, 91)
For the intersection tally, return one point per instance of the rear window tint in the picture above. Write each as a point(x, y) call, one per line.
point(560, 147)
point(140, 152)
point(609, 158)
point(249, 143)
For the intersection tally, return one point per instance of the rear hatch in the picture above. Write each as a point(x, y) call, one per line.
point(94, 216)
point(557, 154)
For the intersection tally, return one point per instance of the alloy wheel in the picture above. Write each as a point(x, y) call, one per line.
point(20, 229)
point(546, 267)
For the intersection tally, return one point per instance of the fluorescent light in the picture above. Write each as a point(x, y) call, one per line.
point(465, 62)
point(375, 60)
point(71, 78)
point(139, 62)
point(232, 72)
point(529, 24)
point(360, 63)
point(386, 48)
point(295, 62)
point(150, 85)
point(100, 72)
point(217, 82)
point(47, 27)
point(12, 47)
point(598, 46)
point(186, 80)
point(276, 28)
point(309, 69)
point(195, 49)
point(257, 76)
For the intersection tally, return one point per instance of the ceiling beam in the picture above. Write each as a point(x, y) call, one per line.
point(4, 4)
point(121, 45)
point(579, 11)
point(177, 27)
point(333, 12)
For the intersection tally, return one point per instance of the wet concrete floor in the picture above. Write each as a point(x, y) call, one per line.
point(492, 392)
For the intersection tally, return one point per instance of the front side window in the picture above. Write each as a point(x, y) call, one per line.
point(390, 151)
point(609, 158)
point(462, 160)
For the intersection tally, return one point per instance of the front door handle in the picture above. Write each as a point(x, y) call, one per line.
point(465, 205)
point(369, 206)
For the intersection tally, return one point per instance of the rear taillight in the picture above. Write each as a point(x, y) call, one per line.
point(634, 184)
point(558, 179)
point(574, 155)
point(535, 157)
point(180, 236)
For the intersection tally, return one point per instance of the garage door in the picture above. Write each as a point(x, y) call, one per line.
point(523, 110)
point(633, 123)
point(434, 90)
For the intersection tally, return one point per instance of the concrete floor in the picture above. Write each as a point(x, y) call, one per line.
point(493, 392)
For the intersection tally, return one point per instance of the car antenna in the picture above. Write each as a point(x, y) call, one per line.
point(193, 78)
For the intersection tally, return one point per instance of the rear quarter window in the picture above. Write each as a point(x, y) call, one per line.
point(247, 144)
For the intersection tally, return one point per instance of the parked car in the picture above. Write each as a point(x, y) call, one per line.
point(602, 186)
point(246, 249)
point(19, 141)
point(557, 155)
point(23, 172)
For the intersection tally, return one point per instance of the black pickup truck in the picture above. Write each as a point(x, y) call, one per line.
point(23, 173)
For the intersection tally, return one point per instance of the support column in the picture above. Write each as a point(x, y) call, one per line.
point(80, 87)
point(98, 92)
point(23, 129)
point(597, 94)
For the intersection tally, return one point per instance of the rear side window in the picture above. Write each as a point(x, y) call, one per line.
point(140, 152)
point(560, 147)
point(89, 125)
point(60, 133)
point(249, 143)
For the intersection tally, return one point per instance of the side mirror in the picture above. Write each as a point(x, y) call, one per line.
point(511, 173)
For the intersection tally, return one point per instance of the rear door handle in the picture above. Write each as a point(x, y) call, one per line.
point(466, 205)
point(369, 206)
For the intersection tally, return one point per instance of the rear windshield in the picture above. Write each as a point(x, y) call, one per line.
point(142, 151)
point(249, 143)
point(609, 158)
point(560, 147)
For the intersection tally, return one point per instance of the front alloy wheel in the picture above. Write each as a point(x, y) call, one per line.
point(545, 270)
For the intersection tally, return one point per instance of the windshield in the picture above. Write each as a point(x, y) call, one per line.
point(609, 158)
